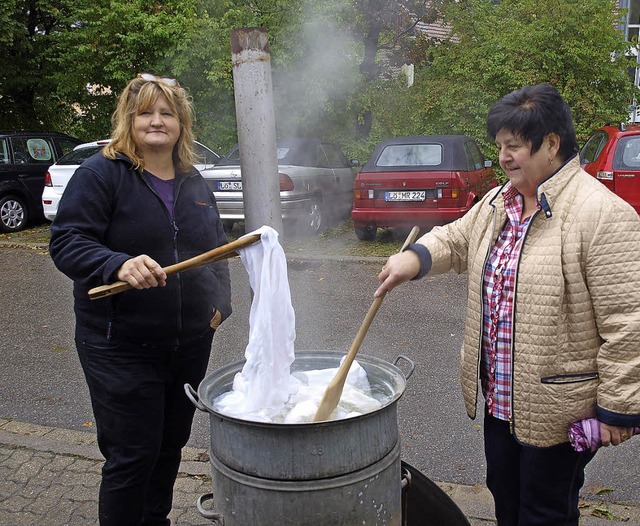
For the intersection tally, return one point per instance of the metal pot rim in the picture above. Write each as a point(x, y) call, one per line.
point(221, 380)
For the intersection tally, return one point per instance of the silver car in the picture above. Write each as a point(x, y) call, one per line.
point(316, 184)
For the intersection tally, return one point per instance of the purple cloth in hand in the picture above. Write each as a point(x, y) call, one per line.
point(585, 435)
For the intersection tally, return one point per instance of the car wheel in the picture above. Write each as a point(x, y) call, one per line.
point(13, 214)
point(316, 219)
point(367, 233)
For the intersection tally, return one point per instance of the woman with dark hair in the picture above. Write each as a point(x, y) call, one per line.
point(552, 332)
point(127, 212)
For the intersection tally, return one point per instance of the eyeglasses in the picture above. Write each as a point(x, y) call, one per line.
point(153, 78)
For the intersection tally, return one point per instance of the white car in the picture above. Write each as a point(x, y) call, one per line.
point(58, 175)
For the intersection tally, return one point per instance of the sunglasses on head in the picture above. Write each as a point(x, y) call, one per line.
point(153, 78)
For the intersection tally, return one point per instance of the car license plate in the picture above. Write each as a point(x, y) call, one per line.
point(229, 185)
point(407, 195)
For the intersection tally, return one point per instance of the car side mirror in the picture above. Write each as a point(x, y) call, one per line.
point(354, 163)
point(488, 163)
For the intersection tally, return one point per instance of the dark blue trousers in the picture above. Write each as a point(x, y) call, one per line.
point(143, 420)
point(532, 486)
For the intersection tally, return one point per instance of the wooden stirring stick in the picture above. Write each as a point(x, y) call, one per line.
point(333, 393)
point(217, 254)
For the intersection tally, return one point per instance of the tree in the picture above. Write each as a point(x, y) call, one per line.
point(383, 25)
point(497, 47)
point(28, 35)
point(108, 45)
point(202, 58)
point(65, 61)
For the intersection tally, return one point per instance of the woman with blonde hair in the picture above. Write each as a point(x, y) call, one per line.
point(128, 211)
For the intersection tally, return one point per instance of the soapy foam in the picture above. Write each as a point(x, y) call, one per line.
point(306, 391)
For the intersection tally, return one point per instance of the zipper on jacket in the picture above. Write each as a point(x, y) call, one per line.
point(512, 423)
point(484, 265)
point(112, 308)
point(177, 254)
point(177, 185)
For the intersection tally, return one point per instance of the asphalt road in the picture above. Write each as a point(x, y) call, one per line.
point(41, 380)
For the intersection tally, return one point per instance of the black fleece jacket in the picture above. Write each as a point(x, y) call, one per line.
point(109, 213)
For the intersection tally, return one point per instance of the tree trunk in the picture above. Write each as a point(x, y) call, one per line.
point(369, 68)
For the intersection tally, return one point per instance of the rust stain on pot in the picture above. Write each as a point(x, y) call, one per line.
point(250, 38)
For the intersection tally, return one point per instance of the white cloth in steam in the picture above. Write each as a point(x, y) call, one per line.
point(264, 379)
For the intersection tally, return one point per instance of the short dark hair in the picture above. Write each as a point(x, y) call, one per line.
point(532, 113)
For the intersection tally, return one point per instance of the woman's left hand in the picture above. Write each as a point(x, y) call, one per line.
point(614, 435)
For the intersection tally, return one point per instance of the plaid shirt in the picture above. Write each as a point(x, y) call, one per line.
point(497, 299)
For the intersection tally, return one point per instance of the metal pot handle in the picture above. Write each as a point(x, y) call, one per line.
point(193, 396)
point(412, 366)
point(208, 514)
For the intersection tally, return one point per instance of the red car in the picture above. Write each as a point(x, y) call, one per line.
point(422, 180)
point(612, 155)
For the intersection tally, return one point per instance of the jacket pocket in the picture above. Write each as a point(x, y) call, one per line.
point(569, 378)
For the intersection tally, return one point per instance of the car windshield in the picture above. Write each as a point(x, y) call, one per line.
point(411, 155)
point(79, 156)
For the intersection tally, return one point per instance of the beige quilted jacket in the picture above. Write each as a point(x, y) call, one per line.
point(576, 336)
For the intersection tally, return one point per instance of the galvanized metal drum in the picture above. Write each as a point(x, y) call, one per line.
point(370, 496)
point(318, 473)
point(305, 451)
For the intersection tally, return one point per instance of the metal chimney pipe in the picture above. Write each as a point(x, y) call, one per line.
point(255, 118)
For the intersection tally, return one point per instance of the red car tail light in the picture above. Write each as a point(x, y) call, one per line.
point(604, 175)
point(47, 179)
point(363, 193)
point(286, 184)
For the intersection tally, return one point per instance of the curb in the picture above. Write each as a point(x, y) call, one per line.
point(291, 256)
point(195, 462)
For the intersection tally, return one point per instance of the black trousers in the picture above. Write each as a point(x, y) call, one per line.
point(143, 420)
point(532, 486)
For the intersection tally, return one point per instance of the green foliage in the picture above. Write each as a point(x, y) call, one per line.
point(499, 47)
point(28, 42)
point(107, 45)
point(65, 62)
point(202, 59)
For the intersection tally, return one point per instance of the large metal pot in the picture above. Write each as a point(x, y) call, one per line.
point(307, 451)
point(371, 496)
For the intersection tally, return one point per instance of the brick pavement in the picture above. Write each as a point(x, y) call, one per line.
point(50, 477)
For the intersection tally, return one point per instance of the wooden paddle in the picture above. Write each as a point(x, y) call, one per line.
point(333, 393)
point(217, 254)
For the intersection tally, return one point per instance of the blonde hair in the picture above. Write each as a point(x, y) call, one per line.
point(138, 95)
